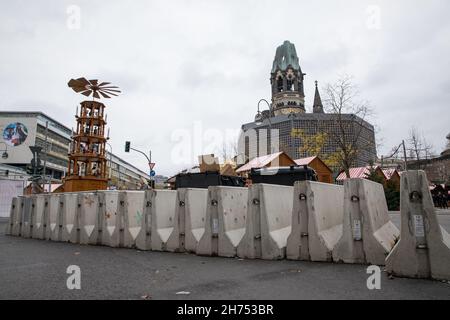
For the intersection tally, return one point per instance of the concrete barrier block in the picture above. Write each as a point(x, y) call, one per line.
point(90, 220)
point(26, 217)
point(111, 215)
point(17, 220)
point(195, 216)
point(53, 231)
point(176, 241)
point(13, 212)
point(143, 240)
point(268, 222)
point(368, 234)
point(69, 216)
point(190, 217)
point(164, 206)
point(38, 217)
point(423, 250)
point(133, 212)
point(225, 221)
point(316, 221)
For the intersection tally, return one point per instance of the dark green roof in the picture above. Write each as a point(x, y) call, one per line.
point(285, 56)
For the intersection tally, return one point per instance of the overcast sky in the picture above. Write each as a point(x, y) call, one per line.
point(185, 65)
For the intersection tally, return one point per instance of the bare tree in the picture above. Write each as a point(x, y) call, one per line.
point(418, 147)
point(342, 99)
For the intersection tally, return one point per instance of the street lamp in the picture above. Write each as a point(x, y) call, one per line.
point(259, 120)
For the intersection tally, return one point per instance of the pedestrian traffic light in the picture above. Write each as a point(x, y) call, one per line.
point(127, 146)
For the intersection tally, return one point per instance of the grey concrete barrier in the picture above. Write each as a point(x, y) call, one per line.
point(110, 210)
point(176, 240)
point(133, 212)
point(225, 221)
point(144, 237)
point(13, 215)
point(195, 217)
point(368, 233)
point(90, 220)
point(423, 250)
point(268, 222)
point(190, 217)
point(17, 221)
point(27, 218)
point(164, 206)
point(316, 221)
point(38, 217)
point(53, 231)
point(70, 231)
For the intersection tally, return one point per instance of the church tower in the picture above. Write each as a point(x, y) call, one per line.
point(317, 106)
point(286, 79)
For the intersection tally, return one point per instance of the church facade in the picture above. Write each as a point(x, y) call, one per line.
point(287, 126)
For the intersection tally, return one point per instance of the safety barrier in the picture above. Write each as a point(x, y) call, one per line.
point(53, 231)
point(190, 215)
point(110, 211)
point(70, 231)
point(225, 221)
point(26, 223)
point(164, 206)
point(268, 222)
point(195, 217)
point(13, 216)
point(423, 250)
point(316, 221)
point(38, 218)
point(133, 210)
point(368, 233)
point(176, 240)
point(144, 237)
point(90, 221)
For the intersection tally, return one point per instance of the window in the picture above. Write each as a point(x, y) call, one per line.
point(290, 84)
point(280, 84)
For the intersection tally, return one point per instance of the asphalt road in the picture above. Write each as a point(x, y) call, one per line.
point(36, 269)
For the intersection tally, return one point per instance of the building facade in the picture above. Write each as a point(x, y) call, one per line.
point(22, 129)
point(286, 125)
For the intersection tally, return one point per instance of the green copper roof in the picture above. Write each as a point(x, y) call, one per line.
point(285, 56)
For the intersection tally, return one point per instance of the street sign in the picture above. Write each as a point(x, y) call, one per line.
point(151, 165)
point(152, 173)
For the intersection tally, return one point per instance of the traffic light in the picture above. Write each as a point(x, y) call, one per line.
point(40, 170)
point(127, 146)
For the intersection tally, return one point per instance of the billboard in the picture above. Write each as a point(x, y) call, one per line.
point(17, 134)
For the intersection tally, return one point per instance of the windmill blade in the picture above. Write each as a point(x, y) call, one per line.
point(83, 81)
point(87, 93)
point(104, 95)
point(110, 93)
point(94, 82)
point(78, 89)
point(104, 83)
point(76, 85)
point(111, 90)
point(96, 95)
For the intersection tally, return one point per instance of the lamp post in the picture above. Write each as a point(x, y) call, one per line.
point(259, 119)
point(110, 161)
